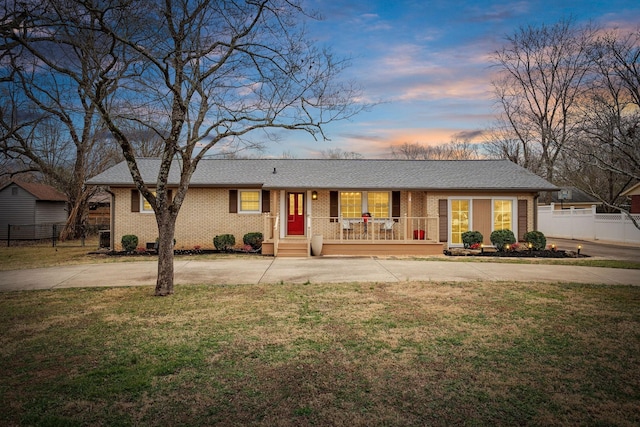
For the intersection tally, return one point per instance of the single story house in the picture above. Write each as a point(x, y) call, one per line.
point(31, 209)
point(634, 193)
point(99, 210)
point(572, 197)
point(359, 207)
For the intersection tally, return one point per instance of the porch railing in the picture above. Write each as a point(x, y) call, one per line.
point(402, 228)
point(374, 229)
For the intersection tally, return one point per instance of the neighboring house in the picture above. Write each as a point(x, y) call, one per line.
point(416, 207)
point(568, 197)
point(99, 209)
point(31, 209)
point(634, 193)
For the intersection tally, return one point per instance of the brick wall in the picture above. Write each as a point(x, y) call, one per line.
point(204, 215)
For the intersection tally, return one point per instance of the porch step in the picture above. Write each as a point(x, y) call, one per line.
point(293, 248)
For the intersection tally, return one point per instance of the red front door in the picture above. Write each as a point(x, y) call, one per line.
point(295, 214)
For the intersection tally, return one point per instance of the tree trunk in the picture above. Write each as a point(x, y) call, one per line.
point(166, 229)
point(74, 227)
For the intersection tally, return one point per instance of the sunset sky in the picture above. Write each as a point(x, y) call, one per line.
point(427, 64)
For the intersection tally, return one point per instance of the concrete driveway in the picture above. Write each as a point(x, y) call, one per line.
point(600, 249)
point(267, 270)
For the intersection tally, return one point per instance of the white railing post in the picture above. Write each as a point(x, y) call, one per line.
point(406, 227)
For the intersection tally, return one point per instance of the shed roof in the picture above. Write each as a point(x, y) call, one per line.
point(577, 196)
point(633, 191)
point(341, 174)
point(42, 192)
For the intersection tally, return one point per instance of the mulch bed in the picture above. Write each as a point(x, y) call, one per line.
point(147, 253)
point(515, 254)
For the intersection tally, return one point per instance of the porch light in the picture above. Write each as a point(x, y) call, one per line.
point(482, 248)
point(530, 245)
point(579, 248)
point(314, 195)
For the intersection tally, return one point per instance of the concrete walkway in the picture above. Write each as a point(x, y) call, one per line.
point(267, 270)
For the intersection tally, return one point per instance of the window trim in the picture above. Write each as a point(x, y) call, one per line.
point(247, 190)
point(143, 201)
point(470, 199)
point(493, 213)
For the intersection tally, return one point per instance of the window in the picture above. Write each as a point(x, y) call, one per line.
point(14, 191)
point(354, 203)
point(249, 201)
point(378, 204)
point(351, 204)
point(459, 219)
point(502, 214)
point(145, 206)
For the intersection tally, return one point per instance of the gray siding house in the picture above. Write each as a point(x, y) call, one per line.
point(31, 209)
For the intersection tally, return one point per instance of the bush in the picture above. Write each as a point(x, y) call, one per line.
point(537, 240)
point(224, 242)
point(502, 238)
point(253, 239)
point(471, 237)
point(129, 242)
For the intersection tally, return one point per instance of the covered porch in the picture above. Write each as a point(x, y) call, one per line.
point(364, 236)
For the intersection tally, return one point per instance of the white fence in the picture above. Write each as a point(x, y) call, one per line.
point(586, 224)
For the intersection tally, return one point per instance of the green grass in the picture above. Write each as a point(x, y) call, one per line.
point(323, 354)
point(68, 253)
point(582, 262)
point(71, 253)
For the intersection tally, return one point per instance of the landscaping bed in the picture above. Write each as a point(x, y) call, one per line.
point(152, 252)
point(545, 253)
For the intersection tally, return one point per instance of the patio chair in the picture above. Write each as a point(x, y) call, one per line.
point(387, 227)
point(346, 227)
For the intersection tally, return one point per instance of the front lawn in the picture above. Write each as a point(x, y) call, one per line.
point(371, 354)
point(72, 253)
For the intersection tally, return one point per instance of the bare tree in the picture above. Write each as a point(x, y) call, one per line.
point(195, 73)
point(611, 110)
point(457, 149)
point(49, 122)
point(609, 147)
point(338, 153)
point(541, 77)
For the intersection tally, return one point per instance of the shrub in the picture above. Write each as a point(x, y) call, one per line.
point(129, 242)
point(253, 239)
point(224, 242)
point(501, 238)
point(471, 238)
point(537, 240)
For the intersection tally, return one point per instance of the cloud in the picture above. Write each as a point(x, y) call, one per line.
point(496, 12)
point(468, 135)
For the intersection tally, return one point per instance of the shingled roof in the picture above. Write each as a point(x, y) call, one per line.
point(273, 174)
point(42, 192)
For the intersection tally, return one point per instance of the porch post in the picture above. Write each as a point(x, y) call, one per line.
point(266, 233)
point(406, 227)
point(409, 215)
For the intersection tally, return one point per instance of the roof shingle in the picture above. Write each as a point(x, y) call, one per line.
point(43, 192)
point(273, 174)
